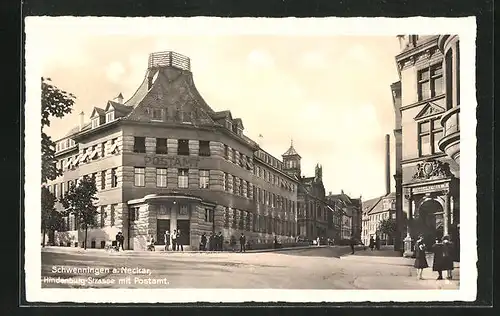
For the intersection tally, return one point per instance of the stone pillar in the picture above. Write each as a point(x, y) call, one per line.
point(173, 217)
point(193, 179)
point(172, 174)
point(446, 215)
point(216, 149)
point(219, 217)
point(150, 145)
point(172, 146)
point(194, 148)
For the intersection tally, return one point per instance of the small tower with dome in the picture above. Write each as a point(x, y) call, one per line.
point(291, 161)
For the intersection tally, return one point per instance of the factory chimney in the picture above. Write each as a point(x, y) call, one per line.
point(387, 165)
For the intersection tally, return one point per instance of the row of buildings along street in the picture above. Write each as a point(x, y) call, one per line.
point(164, 160)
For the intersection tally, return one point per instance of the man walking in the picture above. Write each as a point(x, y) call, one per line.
point(220, 241)
point(174, 240)
point(352, 243)
point(243, 241)
point(203, 242)
point(179, 240)
point(211, 242)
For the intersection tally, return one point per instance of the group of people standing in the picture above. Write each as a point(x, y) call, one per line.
point(214, 242)
point(443, 257)
point(174, 239)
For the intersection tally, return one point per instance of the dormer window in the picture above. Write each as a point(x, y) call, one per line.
point(110, 116)
point(157, 114)
point(95, 122)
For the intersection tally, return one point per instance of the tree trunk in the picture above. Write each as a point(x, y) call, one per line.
point(85, 241)
point(43, 237)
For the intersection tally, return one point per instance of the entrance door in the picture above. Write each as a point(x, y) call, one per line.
point(183, 225)
point(430, 221)
point(162, 225)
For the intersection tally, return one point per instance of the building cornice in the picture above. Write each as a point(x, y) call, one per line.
point(409, 57)
point(419, 159)
point(422, 102)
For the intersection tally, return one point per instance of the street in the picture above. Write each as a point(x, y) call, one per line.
point(314, 268)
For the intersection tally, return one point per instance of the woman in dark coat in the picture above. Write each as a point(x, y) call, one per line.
point(420, 259)
point(448, 256)
point(439, 260)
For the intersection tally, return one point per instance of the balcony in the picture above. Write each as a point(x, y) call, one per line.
point(450, 143)
point(169, 59)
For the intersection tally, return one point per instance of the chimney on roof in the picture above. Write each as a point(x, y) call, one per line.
point(119, 98)
point(387, 165)
point(82, 117)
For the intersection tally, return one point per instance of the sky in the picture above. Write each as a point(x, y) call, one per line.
point(330, 94)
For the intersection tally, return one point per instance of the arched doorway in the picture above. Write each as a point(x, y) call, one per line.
point(429, 221)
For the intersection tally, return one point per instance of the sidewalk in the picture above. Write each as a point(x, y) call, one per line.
point(104, 252)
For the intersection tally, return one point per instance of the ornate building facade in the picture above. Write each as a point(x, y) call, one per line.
point(165, 160)
point(375, 211)
point(426, 102)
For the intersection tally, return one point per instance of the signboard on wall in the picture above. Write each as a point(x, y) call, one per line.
point(430, 188)
point(172, 162)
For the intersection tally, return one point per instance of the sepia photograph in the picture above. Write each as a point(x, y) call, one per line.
point(223, 160)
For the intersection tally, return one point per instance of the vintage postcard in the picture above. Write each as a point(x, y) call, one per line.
point(232, 160)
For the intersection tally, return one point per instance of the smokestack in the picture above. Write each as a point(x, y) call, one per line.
point(81, 119)
point(387, 165)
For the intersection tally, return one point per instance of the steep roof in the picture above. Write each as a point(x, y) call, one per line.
point(369, 204)
point(119, 107)
point(291, 151)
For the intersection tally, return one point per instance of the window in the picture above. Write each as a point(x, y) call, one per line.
point(183, 210)
point(204, 148)
point(241, 220)
point(224, 181)
point(114, 178)
point(161, 177)
point(235, 215)
point(430, 82)
point(249, 189)
point(139, 144)
point(139, 175)
point(226, 217)
point(429, 134)
point(103, 149)
point(56, 190)
point(161, 146)
point(112, 215)
point(183, 178)
point(204, 176)
point(103, 180)
point(156, 114)
point(110, 116)
point(103, 216)
point(209, 215)
point(226, 152)
point(233, 155)
point(95, 122)
point(134, 213)
point(183, 147)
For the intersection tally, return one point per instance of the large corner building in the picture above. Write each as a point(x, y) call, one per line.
point(427, 132)
point(164, 160)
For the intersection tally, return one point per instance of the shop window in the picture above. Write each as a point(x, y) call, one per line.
point(183, 147)
point(209, 215)
point(204, 148)
point(139, 144)
point(161, 146)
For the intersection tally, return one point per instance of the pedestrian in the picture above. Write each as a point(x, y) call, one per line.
point(420, 259)
point(174, 240)
point(243, 242)
point(117, 238)
point(438, 263)
point(211, 242)
point(151, 246)
point(275, 242)
point(180, 241)
point(352, 243)
point(448, 256)
point(377, 242)
point(317, 241)
point(166, 237)
point(203, 242)
point(372, 243)
point(220, 241)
